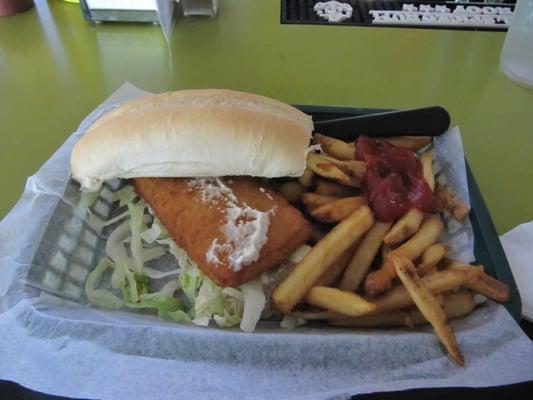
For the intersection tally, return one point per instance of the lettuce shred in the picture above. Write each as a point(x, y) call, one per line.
point(123, 280)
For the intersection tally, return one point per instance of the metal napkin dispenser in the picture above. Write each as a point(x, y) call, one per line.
point(122, 10)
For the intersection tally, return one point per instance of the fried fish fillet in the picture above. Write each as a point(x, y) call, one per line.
point(220, 221)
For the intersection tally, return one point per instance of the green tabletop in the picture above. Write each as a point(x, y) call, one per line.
point(55, 68)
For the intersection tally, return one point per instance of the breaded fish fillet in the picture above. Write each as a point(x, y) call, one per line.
point(220, 222)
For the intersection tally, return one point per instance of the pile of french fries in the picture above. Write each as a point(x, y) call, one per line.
point(362, 272)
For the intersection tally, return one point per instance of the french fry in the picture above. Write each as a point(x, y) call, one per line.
point(330, 188)
point(378, 281)
point(336, 148)
point(405, 227)
point(426, 160)
point(338, 210)
point(292, 191)
point(408, 142)
point(431, 257)
point(485, 284)
point(438, 282)
point(459, 304)
point(455, 305)
point(428, 306)
point(321, 166)
point(340, 301)
point(363, 257)
point(452, 263)
point(428, 233)
point(425, 269)
point(336, 269)
point(434, 253)
point(306, 180)
point(305, 274)
point(449, 200)
point(354, 169)
point(314, 200)
point(436, 290)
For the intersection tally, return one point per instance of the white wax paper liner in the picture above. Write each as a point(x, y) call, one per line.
point(61, 347)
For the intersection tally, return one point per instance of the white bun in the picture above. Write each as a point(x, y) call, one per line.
point(194, 133)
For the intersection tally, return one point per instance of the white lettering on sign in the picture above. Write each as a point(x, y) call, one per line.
point(472, 16)
point(333, 11)
point(442, 9)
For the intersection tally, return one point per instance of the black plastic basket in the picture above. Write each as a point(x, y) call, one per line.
point(69, 249)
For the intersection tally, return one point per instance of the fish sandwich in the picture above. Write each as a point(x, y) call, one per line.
point(202, 161)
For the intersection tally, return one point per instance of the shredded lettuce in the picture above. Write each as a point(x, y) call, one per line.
point(87, 199)
point(137, 226)
point(179, 316)
point(155, 274)
point(153, 233)
point(190, 280)
point(101, 297)
point(114, 246)
point(125, 195)
point(254, 302)
point(139, 238)
point(209, 301)
point(123, 276)
point(223, 306)
point(162, 300)
point(129, 284)
point(153, 253)
point(115, 219)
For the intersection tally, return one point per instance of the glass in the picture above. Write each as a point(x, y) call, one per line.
point(517, 54)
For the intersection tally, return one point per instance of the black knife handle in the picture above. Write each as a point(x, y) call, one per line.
point(427, 121)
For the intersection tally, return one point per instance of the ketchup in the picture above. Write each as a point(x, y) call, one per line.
point(393, 182)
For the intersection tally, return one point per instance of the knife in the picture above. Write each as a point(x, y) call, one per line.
point(427, 121)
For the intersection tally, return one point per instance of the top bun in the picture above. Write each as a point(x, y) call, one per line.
point(193, 133)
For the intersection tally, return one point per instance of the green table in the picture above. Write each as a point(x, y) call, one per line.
point(55, 68)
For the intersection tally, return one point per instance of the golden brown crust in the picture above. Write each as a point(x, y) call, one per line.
point(194, 224)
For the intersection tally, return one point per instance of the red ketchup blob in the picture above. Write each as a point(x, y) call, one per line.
point(393, 182)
